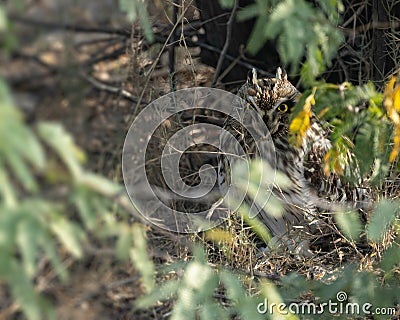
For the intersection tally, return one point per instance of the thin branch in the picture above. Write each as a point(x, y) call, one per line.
point(159, 37)
point(171, 47)
point(227, 43)
point(103, 57)
point(67, 26)
point(227, 56)
point(106, 87)
point(109, 39)
point(153, 66)
point(370, 26)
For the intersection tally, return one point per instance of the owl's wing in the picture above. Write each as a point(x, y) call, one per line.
point(331, 187)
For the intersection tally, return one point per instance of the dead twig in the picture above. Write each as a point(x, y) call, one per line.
point(153, 66)
point(67, 26)
point(171, 47)
point(370, 26)
point(106, 87)
point(224, 51)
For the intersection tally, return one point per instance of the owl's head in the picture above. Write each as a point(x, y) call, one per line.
point(272, 97)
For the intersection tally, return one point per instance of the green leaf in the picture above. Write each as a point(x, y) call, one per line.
point(166, 291)
point(9, 219)
point(140, 258)
point(15, 136)
point(364, 144)
point(248, 12)
point(99, 184)
point(33, 151)
point(257, 35)
point(186, 304)
point(233, 286)
point(300, 29)
point(341, 283)
point(331, 8)
point(69, 234)
point(294, 285)
point(145, 23)
point(48, 244)
point(5, 262)
point(391, 258)
point(18, 144)
point(384, 215)
point(137, 9)
point(124, 243)
point(271, 293)
point(7, 191)
point(213, 311)
point(198, 275)
point(21, 171)
point(256, 224)
point(226, 3)
point(82, 200)
point(27, 237)
point(24, 293)
point(62, 143)
point(349, 223)
point(3, 19)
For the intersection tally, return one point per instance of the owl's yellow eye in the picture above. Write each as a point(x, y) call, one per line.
point(283, 107)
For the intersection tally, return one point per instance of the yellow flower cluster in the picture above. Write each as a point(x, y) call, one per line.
point(392, 105)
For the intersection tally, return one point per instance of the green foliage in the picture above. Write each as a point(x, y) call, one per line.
point(360, 287)
point(19, 148)
point(300, 30)
point(349, 223)
point(138, 253)
point(3, 19)
point(359, 126)
point(36, 224)
point(360, 131)
point(8, 41)
point(255, 179)
point(226, 3)
point(384, 217)
point(194, 292)
point(195, 285)
point(391, 259)
point(137, 10)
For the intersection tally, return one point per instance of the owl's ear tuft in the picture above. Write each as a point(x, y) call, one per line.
point(252, 77)
point(281, 74)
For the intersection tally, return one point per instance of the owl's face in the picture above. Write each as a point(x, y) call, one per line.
point(273, 98)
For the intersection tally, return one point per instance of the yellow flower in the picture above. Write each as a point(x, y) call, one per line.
point(301, 123)
point(392, 105)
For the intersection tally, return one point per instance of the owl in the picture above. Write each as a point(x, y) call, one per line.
point(273, 100)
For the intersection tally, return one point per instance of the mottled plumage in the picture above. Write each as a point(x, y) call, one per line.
point(273, 99)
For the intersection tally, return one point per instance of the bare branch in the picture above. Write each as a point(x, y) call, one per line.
point(227, 42)
point(106, 87)
point(370, 26)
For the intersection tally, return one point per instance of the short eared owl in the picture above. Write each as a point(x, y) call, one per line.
point(273, 98)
